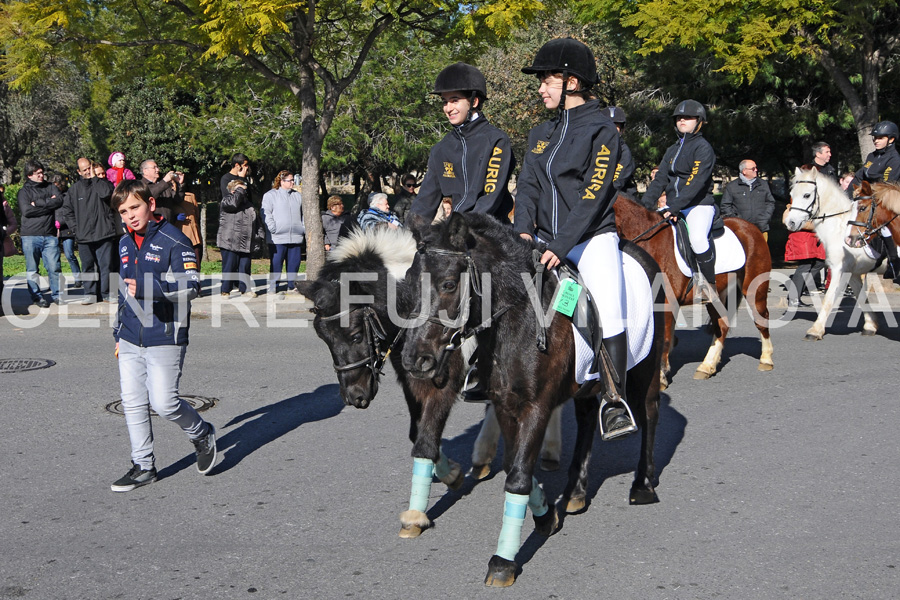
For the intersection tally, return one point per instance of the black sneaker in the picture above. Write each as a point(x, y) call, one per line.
point(42, 302)
point(134, 478)
point(206, 451)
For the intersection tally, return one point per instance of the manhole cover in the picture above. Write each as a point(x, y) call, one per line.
point(17, 365)
point(200, 403)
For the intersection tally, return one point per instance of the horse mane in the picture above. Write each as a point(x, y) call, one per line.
point(395, 248)
point(888, 194)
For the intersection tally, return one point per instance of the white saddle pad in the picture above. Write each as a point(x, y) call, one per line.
point(638, 316)
point(729, 253)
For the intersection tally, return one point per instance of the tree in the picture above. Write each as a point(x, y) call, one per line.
point(853, 42)
point(312, 49)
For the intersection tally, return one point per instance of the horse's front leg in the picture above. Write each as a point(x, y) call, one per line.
point(522, 491)
point(429, 461)
point(838, 282)
point(586, 415)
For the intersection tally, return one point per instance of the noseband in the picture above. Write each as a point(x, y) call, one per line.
point(813, 211)
point(375, 337)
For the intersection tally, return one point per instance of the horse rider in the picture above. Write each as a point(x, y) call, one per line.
point(685, 177)
point(471, 165)
point(883, 165)
point(624, 182)
point(565, 200)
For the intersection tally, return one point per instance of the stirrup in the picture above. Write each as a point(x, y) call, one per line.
point(475, 394)
point(621, 431)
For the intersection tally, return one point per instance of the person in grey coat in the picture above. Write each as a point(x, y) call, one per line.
point(282, 210)
point(749, 198)
point(335, 222)
point(238, 232)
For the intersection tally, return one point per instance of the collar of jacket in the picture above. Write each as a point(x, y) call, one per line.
point(748, 182)
point(470, 124)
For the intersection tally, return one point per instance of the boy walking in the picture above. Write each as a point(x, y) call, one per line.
point(159, 279)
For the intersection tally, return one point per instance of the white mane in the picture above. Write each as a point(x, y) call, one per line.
point(829, 190)
point(396, 247)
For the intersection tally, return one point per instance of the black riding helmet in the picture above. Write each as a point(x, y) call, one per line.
point(615, 114)
point(691, 108)
point(460, 77)
point(565, 55)
point(886, 128)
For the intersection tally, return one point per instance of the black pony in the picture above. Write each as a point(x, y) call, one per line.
point(526, 384)
point(361, 299)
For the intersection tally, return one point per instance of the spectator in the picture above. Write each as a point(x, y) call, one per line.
point(240, 169)
point(99, 171)
point(282, 210)
point(190, 224)
point(845, 180)
point(86, 208)
point(64, 232)
point(406, 196)
point(335, 223)
point(38, 202)
point(749, 198)
point(445, 209)
point(152, 333)
point(378, 212)
point(166, 191)
point(8, 226)
point(238, 233)
point(117, 172)
point(822, 159)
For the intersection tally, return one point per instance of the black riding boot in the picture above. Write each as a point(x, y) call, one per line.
point(616, 419)
point(893, 261)
point(474, 389)
point(705, 277)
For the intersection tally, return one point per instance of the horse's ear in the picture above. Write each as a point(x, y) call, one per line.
point(417, 225)
point(798, 172)
point(458, 231)
point(307, 288)
point(865, 188)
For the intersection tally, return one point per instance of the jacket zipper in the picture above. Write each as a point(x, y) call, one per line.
point(465, 172)
point(677, 179)
point(562, 137)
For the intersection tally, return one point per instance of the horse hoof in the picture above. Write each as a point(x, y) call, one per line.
point(549, 464)
point(455, 478)
point(813, 338)
point(868, 332)
point(642, 494)
point(547, 524)
point(480, 472)
point(698, 374)
point(501, 572)
point(663, 384)
point(413, 523)
point(765, 367)
point(576, 505)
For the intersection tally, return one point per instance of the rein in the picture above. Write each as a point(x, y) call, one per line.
point(869, 229)
point(651, 229)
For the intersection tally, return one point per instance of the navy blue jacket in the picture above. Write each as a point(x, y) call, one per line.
point(565, 191)
point(881, 165)
point(471, 164)
point(685, 175)
point(165, 268)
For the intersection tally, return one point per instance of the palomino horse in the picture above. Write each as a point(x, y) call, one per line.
point(819, 199)
point(526, 382)
point(649, 231)
point(362, 298)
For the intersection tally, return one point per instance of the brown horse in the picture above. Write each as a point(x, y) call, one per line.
point(878, 206)
point(649, 231)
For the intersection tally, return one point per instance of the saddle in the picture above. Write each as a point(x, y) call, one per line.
point(716, 231)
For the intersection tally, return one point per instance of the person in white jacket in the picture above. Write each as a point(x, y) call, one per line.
point(282, 210)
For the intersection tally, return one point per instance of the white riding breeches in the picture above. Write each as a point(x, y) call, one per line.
point(599, 261)
point(699, 221)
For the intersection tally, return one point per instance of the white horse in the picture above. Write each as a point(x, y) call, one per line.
point(819, 199)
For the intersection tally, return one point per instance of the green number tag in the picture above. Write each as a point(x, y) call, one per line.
point(567, 297)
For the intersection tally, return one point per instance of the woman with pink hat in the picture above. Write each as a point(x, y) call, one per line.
point(117, 171)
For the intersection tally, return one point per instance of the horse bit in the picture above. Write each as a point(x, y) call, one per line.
point(375, 336)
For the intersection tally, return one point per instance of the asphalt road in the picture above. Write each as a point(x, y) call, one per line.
point(772, 485)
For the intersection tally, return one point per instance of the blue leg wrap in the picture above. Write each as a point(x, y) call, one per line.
point(537, 502)
point(442, 467)
point(511, 532)
point(423, 469)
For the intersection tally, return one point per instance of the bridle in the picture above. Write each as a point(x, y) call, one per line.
point(375, 336)
point(813, 211)
point(458, 329)
point(868, 226)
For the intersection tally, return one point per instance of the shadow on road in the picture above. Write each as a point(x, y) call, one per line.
point(266, 424)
